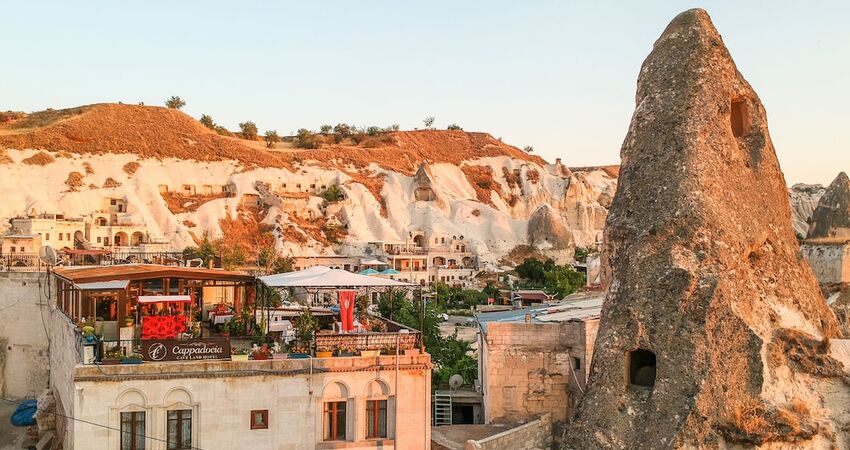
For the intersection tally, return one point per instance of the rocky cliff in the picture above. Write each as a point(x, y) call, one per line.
point(831, 218)
point(713, 333)
point(182, 181)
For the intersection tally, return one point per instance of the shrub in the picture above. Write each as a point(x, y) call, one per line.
point(333, 194)
point(248, 130)
point(454, 127)
point(342, 131)
point(373, 130)
point(131, 167)
point(306, 139)
point(175, 102)
point(393, 127)
point(271, 138)
point(74, 181)
point(429, 122)
point(325, 129)
point(528, 149)
point(207, 121)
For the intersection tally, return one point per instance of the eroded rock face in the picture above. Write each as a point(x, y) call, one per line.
point(804, 199)
point(713, 326)
point(548, 233)
point(831, 219)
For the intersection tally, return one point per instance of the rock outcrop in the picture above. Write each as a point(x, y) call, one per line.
point(713, 333)
point(548, 233)
point(804, 199)
point(831, 219)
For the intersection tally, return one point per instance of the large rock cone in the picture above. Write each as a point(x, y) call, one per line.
point(713, 329)
point(831, 218)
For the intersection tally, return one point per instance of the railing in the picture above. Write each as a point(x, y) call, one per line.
point(367, 341)
point(32, 262)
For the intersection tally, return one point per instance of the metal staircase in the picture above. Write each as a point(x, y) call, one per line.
point(442, 408)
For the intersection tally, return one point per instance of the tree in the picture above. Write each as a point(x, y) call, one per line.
point(325, 129)
point(393, 127)
point(527, 149)
point(271, 138)
point(429, 122)
point(532, 271)
point(333, 194)
point(563, 281)
point(454, 127)
point(304, 138)
point(373, 130)
point(249, 130)
point(342, 129)
point(175, 102)
point(207, 121)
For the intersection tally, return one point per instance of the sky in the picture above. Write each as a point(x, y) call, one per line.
point(559, 76)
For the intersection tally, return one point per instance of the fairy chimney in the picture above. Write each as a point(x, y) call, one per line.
point(713, 332)
point(831, 218)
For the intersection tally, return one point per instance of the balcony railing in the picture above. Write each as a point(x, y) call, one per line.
point(31, 262)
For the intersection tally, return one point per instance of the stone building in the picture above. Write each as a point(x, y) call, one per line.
point(829, 259)
point(534, 361)
point(430, 257)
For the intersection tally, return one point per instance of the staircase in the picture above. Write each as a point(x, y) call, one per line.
point(442, 408)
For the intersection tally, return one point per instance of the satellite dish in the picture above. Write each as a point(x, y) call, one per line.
point(456, 381)
point(48, 255)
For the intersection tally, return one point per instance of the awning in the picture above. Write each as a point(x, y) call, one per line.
point(165, 298)
point(323, 277)
point(103, 285)
point(374, 262)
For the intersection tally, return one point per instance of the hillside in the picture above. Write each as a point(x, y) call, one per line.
point(182, 181)
point(158, 132)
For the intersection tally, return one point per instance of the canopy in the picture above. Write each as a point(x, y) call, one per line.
point(103, 285)
point(165, 298)
point(390, 272)
point(368, 272)
point(323, 277)
point(374, 262)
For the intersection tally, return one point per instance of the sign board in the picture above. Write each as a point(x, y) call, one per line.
point(194, 350)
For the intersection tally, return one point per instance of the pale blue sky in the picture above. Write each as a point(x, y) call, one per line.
point(556, 75)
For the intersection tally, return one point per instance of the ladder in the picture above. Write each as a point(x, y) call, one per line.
point(442, 409)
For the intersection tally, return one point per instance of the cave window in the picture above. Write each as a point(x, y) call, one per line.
point(740, 117)
point(576, 363)
point(641, 368)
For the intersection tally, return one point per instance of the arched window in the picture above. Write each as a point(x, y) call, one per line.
point(336, 413)
point(378, 411)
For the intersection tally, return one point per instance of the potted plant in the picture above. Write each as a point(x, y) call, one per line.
point(261, 353)
point(88, 333)
point(370, 353)
point(345, 350)
point(225, 329)
point(240, 355)
point(305, 325)
point(299, 352)
point(389, 349)
point(132, 358)
point(128, 321)
point(324, 352)
point(277, 353)
point(111, 357)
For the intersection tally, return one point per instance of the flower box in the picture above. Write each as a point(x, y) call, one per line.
point(345, 354)
point(131, 360)
point(280, 356)
point(370, 352)
point(110, 361)
point(239, 357)
point(259, 356)
point(328, 354)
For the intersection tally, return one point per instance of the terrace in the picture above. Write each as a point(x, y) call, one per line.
point(149, 313)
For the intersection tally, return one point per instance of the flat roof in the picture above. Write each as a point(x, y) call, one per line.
point(146, 271)
point(577, 306)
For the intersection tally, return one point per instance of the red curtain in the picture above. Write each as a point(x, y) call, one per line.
point(346, 310)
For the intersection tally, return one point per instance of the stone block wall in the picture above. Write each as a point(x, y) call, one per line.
point(535, 435)
point(23, 338)
point(528, 369)
point(829, 262)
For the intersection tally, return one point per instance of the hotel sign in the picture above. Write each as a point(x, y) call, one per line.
point(194, 350)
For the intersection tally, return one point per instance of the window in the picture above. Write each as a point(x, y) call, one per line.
point(60, 236)
point(47, 236)
point(180, 429)
point(133, 430)
point(641, 368)
point(98, 239)
point(259, 419)
point(22, 249)
point(112, 201)
point(376, 418)
point(334, 429)
point(576, 363)
point(12, 249)
point(740, 117)
point(68, 236)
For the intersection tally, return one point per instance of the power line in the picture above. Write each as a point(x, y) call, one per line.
point(166, 441)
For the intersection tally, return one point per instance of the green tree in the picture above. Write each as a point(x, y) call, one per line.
point(454, 127)
point(325, 129)
point(563, 281)
point(248, 130)
point(175, 102)
point(532, 270)
point(429, 122)
point(271, 138)
point(373, 130)
point(528, 149)
point(333, 194)
point(207, 121)
point(342, 130)
point(304, 138)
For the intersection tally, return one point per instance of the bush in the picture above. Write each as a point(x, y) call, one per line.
point(248, 130)
point(393, 127)
point(207, 121)
point(325, 129)
point(271, 138)
point(175, 102)
point(528, 149)
point(333, 194)
point(373, 130)
point(429, 122)
point(454, 127)
point(342, 131)
point(306, 139)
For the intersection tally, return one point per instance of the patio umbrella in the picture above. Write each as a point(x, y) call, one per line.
point(390, 272)
point(369, 271)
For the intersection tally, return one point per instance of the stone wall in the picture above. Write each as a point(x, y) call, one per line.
point(526, 369)
point(23, 338)
point(829, 262)
point(535, 435)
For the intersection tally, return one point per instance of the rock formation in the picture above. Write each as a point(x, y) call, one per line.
point(423, 185)
point(804, 199)
point(548, 233)
point(713, 333)
point(831, 219)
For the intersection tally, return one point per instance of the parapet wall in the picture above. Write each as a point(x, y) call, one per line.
point(829, 262)
point(535, 435)
point(23, 338)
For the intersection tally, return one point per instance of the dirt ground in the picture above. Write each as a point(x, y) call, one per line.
point(11, 437)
